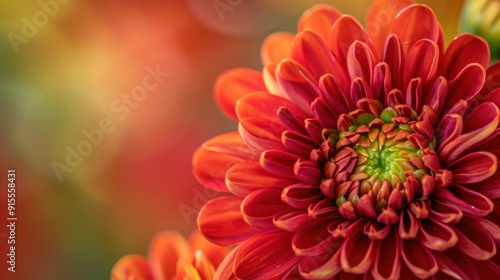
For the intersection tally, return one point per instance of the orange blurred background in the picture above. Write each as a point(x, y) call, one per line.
point(74, 69)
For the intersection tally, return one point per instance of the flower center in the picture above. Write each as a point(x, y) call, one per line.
point(374, 157)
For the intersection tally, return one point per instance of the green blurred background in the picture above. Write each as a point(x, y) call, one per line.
point(138, 180)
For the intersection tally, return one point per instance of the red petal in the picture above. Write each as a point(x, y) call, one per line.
point(414, 23)
point(132, 267)
point(259, 137)
point(247, 177)
point(260, 206)
point(225, 269)
point(474, 167)
point(233, 84)
point(357, 252)
point(313, 239)
point(291, 220)
point(212, 160)
point(474, 240)
point(296, 84)
point(322, 266)
point(418, 258)
point(394, 57)
point(279, 163)
point(222, 223)
point(422, 61)
point(456, 264)
point(466, 85)
point(165, 250)
point(408, 225)
point(380, 17)
point(360, 61)
point(344, 32)
point(319, 19)
point(276, 47)
point(462, 51)
point(301, 196)
point(264, 256)
point(480, 124)
point(467, 200)
point(436, 235)
point(387, 263)
point(488, 187)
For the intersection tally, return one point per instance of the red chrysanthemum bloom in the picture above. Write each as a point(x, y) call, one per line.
point(359, 154)
point(171, 256)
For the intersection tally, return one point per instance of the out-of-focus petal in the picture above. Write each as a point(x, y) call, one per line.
point(233, 84)
point(380, 17)
point(132, 267)
point(276, 47)
point(165, 250)
point(319, 19)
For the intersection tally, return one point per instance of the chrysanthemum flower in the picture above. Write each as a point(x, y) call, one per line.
point(360, 153)
point(172, 257)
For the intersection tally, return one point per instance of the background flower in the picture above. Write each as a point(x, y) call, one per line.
point(369, 153)
point(172, 257)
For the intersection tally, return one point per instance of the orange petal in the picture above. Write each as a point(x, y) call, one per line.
point(319, 19)
point(380, 17)
point(233, 84)
point(211, 251)
point(132, 267)
point(186, 271)
point(222, 223)
point(276, 47)
point(212, 160)
point(165, 250)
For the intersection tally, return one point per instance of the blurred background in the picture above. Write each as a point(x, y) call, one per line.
point(68, 65)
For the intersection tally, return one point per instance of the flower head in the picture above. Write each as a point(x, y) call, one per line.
point(369, 153)
point(172, 257)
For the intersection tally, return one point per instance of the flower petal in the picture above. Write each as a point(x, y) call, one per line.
point(132, 267)
point(413, 23)
point(387, 263)
point(312, 239)
point(212, 160)
point(279, 163)
point(211, 251)
point(225, 269)
point(165, 250)
point(466, 85)
point(480, 124)
point(357, 252)
point(344, 32)
point(462, 51)
point(436, 235)
point(422, 61)
point(246, 177)
point(319, 19)
point(259, 207)
point(467, 200)
point(474, 167)
point(233, 84)
point(222, 223)
point(276, 47)
point(255, 260)
point(380, 17)
point(297, 84)
point(418, 258)
point(474, 240)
